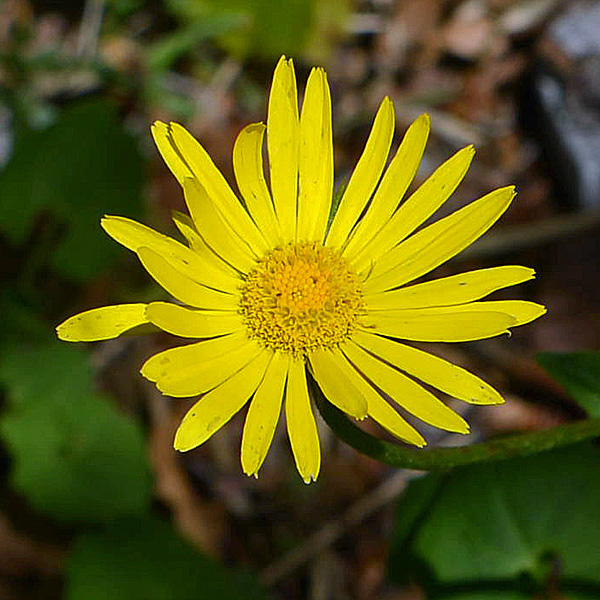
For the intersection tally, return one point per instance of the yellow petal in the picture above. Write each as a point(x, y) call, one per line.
point(184, 357)
point(182, 287)
point(328, 371)
point(215, 409)
point(437, 243)
point(382, 411)
point(315, 159)
point(417, 208)
point(378, 408)
point(263, 415)
point(164, 142)
point(186, 379)
point(134, 235)
point(457, 289)
point(521, 311)
point(185, 224)
point(188, 323)
point(405, 392)
point(214, 229)
point(188, 229)
point(445, 324)
point(437, 372)
point(217, 188)
point(365, 176)
point(301, 424)
point(250, 177)
point(283, 140)
point(103, 323)
point(393, 186)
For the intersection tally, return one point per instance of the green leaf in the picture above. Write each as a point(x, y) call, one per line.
point(20, 321)
point(579, 373)
point(66, 374)
point(144, 559)
point(270, 28)
point(163, 53)
point(83, 166)
point(75, 456)
point(507, 520)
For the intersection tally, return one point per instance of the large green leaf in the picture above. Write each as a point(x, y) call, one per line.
point(143, 559)
point(81, 167)
point(75, 456)
point(48, 373)
point(579, 373)
point(503, 521)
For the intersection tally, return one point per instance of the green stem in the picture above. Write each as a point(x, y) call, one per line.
point(396, 455)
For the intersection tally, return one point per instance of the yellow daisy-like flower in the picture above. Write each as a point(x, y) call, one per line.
point(275, 293)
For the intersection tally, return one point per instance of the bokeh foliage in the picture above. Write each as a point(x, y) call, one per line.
point(83, 165)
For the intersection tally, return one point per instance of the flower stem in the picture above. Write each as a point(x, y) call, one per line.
point(396, 455)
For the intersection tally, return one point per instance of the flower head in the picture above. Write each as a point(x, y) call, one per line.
point(278, 290)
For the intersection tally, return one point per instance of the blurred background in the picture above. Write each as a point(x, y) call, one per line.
point(94, 503)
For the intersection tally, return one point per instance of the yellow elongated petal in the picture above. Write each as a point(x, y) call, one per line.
point(104, 323)
point(382, 411)
point(393, 186)
point(439, 242)
point(283, 141)
point(172, 157)
point(188, 323)
point(451, 324)
point(188, 229)
point(215, 409)
point(250, 177)
point(182, 287)
point(186, 226)
point(184, 357)
point(217, 188)
point(378, 408)
point(134, 235)
point(437, 372)
point(315, 159)
point(365, 176)
point(301, 424)
point(214, 229)
point(328, 370)
point(417, 208)
point(522, 311)
point(185, 380)
point(263, 415)
point(406, 392)
point(456, 289)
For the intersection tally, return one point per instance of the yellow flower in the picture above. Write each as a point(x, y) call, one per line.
point(276, 293)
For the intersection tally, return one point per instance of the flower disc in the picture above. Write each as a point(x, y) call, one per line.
point(300, 298)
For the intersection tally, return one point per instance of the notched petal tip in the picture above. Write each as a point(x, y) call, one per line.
point(180, 444)
point(465, 430)
point(158, 126)
point(469, 152)
point(425, 118)
point(311, 478)
point(63, 334)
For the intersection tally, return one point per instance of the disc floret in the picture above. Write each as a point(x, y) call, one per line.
point(301, 297)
